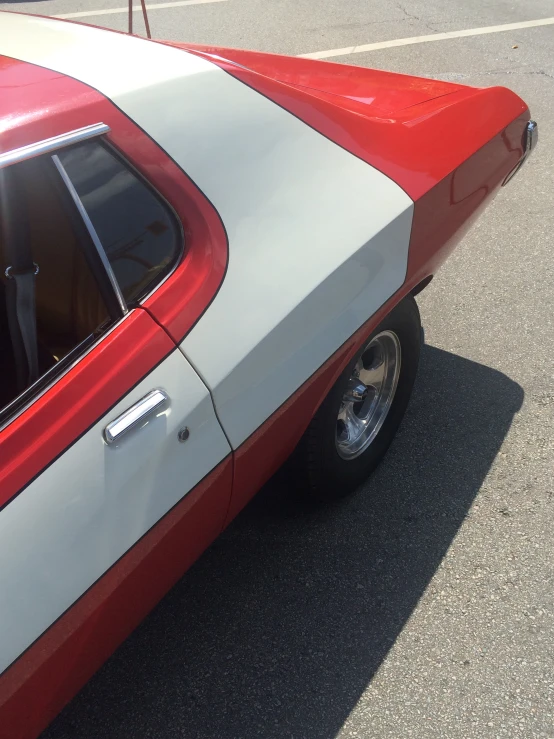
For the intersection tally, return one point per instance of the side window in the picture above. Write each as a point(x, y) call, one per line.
point(82, 236)
point(51, 305)
point(136, 229)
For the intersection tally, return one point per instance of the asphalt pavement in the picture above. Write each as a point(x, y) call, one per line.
point(422, 606)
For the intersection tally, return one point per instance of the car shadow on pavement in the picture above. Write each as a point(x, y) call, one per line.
point(278, 629)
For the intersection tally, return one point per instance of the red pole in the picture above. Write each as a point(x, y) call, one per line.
point(145, 16)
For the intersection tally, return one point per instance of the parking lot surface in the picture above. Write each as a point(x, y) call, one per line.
point(422, 606)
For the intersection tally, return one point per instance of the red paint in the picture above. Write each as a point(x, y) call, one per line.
point(39, 684)
point(37, 103)
point(56, 666)
point(441, 218)
point(78, 399)
point(54, 104)
point(36, 687)
point(445, 213)
point(261, 455)
point(182, 299)
point(382, 92)
point(417, 144)
point(448, 146)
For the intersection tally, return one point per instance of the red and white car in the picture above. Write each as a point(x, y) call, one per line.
point(208, 262)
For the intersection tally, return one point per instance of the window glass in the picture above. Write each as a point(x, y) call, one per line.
point(135, 227)
point(38, 224)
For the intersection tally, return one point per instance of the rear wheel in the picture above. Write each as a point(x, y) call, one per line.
point(354, 426)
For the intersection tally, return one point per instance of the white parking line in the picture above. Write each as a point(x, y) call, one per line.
point(425, 39)
point(155, 6)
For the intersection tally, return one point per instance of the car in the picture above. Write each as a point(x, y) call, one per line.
point(209, 259)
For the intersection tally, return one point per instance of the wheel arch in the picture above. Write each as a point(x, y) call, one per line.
point(269, 447)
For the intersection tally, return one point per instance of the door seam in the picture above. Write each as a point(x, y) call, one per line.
point(200, 376)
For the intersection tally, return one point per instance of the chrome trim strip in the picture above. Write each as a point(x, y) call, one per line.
point(530, 138)
point(118, 154)
point(134, 415)
point(92, 231)
point(56, 142)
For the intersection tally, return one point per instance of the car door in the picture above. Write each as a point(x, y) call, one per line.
point(104, 425)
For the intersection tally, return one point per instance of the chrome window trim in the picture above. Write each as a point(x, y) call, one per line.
point(56, 142)
point(51, 145)
point(93, 235)
point(118, 154)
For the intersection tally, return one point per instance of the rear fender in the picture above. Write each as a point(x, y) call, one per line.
point(414, 130)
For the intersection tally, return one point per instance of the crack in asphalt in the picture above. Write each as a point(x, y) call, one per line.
point(489, 73)
point(541, 72)
point(415, 17)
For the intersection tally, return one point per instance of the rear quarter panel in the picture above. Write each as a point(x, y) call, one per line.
point(444, 214)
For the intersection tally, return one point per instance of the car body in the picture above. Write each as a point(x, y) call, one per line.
point(291, 206)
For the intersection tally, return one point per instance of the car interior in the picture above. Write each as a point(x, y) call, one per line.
point(68, 305)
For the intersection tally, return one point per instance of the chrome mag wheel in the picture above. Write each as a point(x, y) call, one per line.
point(369, 395)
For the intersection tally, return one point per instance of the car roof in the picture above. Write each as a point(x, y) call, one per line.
point(51, 67)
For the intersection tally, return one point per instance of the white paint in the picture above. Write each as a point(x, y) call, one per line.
point(130, 70)
point(425, 39)
point(87, 509)
point(318, 239)
point(308, 274)
point(136, 8)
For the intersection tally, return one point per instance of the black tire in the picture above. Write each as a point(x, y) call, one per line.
point(323, 475)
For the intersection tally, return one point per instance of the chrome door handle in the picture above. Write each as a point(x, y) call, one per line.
point(134, 415)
